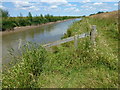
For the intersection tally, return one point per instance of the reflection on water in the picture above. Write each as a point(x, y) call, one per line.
point(41, 35)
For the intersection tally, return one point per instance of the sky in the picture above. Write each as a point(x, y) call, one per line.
point(58, 7)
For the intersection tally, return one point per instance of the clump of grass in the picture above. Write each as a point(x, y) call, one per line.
point(25, 73)
point(68, 34)
point(55, 49)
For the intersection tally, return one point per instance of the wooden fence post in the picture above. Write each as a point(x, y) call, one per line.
point(20, 42)
point(76, 41)
point(93, 34)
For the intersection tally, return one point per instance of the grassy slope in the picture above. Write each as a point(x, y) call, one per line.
point(69, 68)
point(86, 67)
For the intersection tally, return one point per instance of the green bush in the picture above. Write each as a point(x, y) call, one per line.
point(25, 73)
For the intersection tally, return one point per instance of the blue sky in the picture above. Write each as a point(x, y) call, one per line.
point(58, 7)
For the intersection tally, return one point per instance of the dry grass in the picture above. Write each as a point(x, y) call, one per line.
point(106, 15)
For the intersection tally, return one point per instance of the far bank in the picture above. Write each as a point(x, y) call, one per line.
point(23, 28)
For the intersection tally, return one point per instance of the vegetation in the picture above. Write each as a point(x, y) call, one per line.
point(25, 73)
point(4, 13)
point(97, 13)
point(87, 67)
point(8, 23)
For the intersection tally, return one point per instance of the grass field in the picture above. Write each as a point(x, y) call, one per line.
point(90, 66)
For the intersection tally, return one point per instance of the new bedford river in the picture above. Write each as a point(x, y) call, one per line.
point(41, 35)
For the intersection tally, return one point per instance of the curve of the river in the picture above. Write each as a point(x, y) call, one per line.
point(41, 35)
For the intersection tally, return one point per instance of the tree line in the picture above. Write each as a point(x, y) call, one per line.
point(8, 23)
point(97, 13)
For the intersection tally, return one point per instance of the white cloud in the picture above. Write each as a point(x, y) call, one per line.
point(104, 9)
point(70, 4)
point(88, 8)
point(116, 4)
point(54, 1)
point(85, 6)
point(109, 0)
point(25, 5)
point(1, 6)
point(95, 7)
point(53, 6)
point(69, 9)
point(34, 8)
point(72, 9)
point(22, 4)
point(85, 1)
point(77, 10)
point(100, 3)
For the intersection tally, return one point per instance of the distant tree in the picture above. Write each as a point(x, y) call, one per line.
point(91, 14)
point(41, 16)
point(4, 13)
point(30, 16)
point(100, 12)
point(84, 16)
point(21, 15)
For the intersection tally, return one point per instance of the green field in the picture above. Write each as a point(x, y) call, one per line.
point(90, 66)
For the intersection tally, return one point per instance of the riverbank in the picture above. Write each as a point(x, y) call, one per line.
point(23, 28)
point(87, 67)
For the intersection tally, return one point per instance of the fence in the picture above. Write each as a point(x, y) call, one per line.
point(92, 35)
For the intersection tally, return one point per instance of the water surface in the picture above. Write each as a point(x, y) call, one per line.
point(41, 35)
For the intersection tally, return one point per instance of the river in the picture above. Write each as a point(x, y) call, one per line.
point(41, 35)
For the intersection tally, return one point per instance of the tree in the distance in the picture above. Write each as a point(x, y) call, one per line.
point(21, 15)
point(4, 13)
point(30, 16)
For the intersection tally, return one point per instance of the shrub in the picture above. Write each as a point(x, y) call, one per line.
point(24, 74)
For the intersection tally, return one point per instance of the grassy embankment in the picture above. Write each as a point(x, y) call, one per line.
point(69, 68)
point(9, 23)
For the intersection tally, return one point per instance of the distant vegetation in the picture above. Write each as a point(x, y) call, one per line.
point(87, 67)
point(8, 23)
point(97, 13)
point(4, 13)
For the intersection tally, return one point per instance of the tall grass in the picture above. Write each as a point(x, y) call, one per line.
point(25, 73)
point(87, 67)
point(90, 66)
